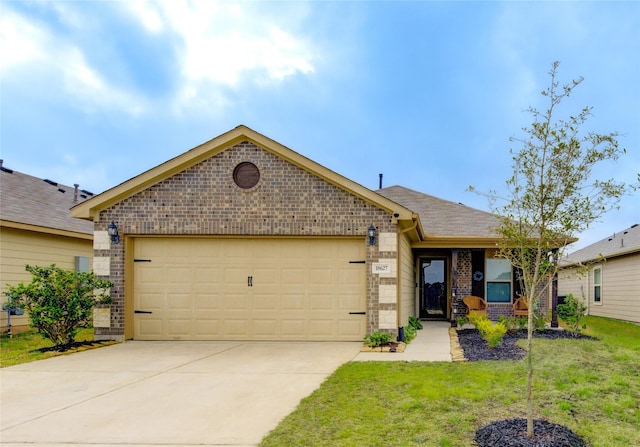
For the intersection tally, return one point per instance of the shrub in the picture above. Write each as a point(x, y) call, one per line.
point(377, 339)
point(461, 321)
point(410, 333)
point(59, 302)
point(415, 323)
point(492, 333)
point(572, 312)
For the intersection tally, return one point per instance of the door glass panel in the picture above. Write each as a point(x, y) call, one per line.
point(434, 289)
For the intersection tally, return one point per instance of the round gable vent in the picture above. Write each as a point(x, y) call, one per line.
point(246, 175)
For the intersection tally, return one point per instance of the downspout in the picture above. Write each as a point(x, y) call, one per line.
point(398, 265)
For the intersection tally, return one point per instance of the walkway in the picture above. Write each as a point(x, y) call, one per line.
point(433, 344)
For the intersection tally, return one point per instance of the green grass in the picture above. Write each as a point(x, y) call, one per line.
point(30, 346)
point(593, 387)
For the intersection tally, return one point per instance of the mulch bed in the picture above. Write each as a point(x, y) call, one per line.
point(513, 432)
point(76, 346)
point(475, 348)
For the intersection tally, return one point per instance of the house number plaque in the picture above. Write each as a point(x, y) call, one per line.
point(380, 267)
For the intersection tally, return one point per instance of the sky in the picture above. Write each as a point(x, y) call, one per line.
point(426, 93)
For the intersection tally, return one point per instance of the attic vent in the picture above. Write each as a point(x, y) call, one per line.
point(634, 225)
point(246, 175)
point(51, 182)
point(83, 196)
point(84, 191)
point(61, 190)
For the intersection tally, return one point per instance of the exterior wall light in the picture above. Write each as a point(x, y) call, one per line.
point(112, 229)
point(371, 232)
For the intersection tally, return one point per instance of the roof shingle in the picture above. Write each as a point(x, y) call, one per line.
point(25, 199)
point(442, 218)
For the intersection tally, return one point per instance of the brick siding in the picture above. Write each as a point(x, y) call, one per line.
point(204, 200)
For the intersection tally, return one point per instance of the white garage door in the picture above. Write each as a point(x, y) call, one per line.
point(249, 289)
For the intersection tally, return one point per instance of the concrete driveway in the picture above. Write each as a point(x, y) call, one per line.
point(163, 393)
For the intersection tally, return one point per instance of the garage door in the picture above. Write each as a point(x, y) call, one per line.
point(249, 289)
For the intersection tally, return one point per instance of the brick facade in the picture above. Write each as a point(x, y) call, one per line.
point(204, 200)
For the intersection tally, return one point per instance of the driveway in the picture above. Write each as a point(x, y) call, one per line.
point(163, 393)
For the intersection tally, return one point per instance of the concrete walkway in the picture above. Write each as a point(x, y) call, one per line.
point(433, 344)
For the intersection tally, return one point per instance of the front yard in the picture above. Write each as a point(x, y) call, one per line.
point(593, 387)
point(30, 346)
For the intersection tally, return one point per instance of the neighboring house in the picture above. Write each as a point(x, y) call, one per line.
point(36, 228)
point(610, 284)
point(242, 238)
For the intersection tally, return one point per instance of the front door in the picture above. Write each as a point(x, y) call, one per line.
point(433, 293)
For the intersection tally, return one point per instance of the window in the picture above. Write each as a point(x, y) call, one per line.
point(498, 280)
point(597, 285)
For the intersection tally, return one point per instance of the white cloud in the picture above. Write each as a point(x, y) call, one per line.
point(20, 41)
point(223, 44)
point(58, 65)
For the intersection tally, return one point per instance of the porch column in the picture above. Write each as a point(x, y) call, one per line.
point(454, 287)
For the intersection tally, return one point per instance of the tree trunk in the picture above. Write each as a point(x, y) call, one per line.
point(530, 366)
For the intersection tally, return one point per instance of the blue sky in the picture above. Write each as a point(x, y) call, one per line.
point(427, 93)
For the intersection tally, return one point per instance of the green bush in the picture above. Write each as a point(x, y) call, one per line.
point(59, 302)
point(410, 333)
point(572, 312)
point(492, 333)
point(377, 339)
point(415, 323)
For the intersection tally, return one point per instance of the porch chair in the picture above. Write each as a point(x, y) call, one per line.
point(475, 304)
point(520, 308)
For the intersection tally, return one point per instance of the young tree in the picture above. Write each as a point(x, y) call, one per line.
point(552, 196)
point(58, 301)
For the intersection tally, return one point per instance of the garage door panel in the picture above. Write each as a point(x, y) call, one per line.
point(200, 289)
point(207, 302)
point(322, 277)
point(293, 276)
point(266, 302)
point(320, 302)
point(206, 328)
point(150, 327)
point(321, 329)
point(293, 302)
point(349, 328)
point(179, 328)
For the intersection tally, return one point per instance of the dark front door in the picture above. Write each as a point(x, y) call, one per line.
point(433, 294)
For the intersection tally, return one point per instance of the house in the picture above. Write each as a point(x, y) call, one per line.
point(610, 282)
point(241, 238)
point(36, 228)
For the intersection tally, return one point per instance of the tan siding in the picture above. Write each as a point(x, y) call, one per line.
point(407, 280)
point(570, 282)
point(620, 289)
point(19, 248)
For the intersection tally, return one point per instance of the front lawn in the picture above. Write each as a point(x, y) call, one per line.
point(593, 387)
point(29, 346)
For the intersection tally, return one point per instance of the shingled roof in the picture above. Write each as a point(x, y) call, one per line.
point(41, 204)
point(622, 243)
point(442, 218)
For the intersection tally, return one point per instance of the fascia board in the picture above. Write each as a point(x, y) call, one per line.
point(45, 230)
